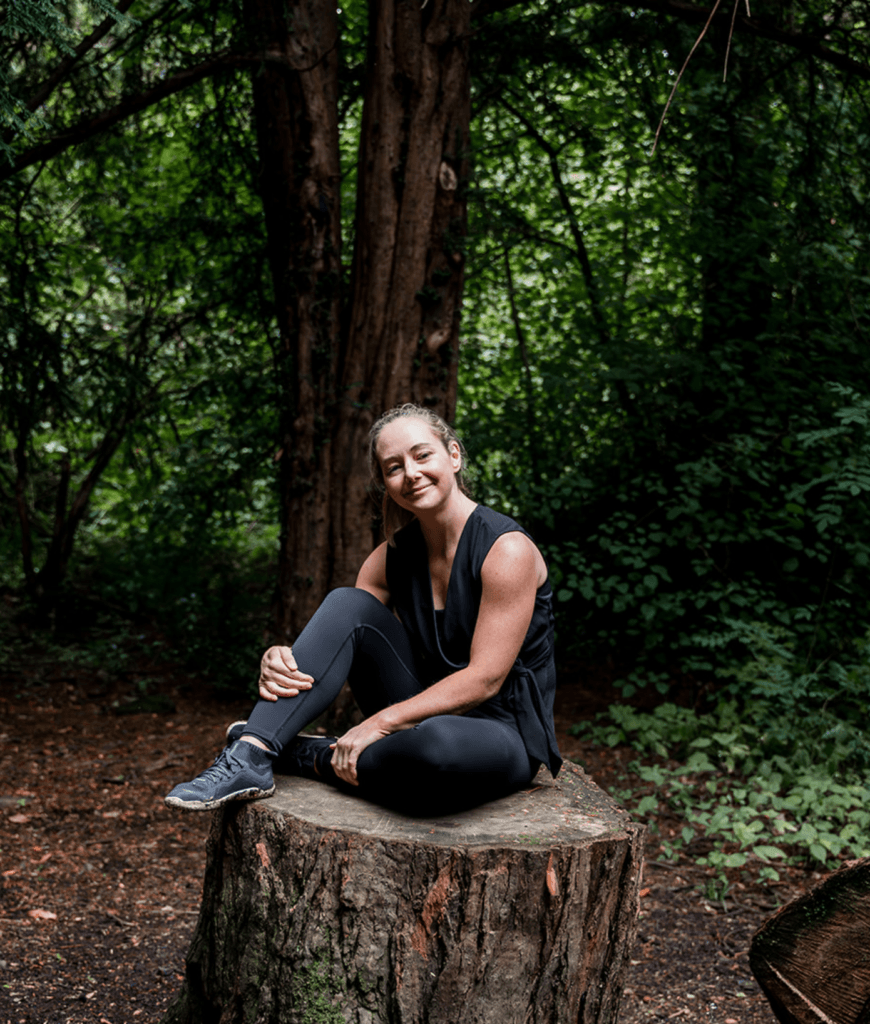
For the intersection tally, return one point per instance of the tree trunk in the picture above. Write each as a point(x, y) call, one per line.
point(408, 264)
point(320, 906)
point(398, 338)
point(296, 110)
point(811, 957)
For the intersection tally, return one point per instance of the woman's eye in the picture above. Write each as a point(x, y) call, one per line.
point(390, 470)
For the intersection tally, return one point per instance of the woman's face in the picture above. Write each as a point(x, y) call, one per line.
point(419, 472)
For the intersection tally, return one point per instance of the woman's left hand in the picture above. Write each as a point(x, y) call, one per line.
point(347, 749)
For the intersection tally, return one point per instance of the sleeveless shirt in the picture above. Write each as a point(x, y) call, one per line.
point(442, 643)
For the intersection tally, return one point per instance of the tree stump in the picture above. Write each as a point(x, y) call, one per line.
point(321, 908)
point(812, 958)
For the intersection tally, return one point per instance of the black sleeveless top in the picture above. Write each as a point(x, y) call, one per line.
point(442, 642)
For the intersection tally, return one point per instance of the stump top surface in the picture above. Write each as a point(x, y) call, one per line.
point(566, 811)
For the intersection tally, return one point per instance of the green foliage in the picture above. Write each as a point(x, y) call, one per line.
point(767, 780)
point(119, 339)
point(678, 454)
point(645, 343)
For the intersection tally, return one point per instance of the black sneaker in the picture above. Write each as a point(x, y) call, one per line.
point(235, 731)
point(298, 758)
point(240, 772)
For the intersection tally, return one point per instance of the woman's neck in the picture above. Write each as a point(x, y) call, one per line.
point(443, 527)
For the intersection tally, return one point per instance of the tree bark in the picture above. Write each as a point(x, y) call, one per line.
point(811, 959)
point(320, 906)
point(398, 338)
point(409, 256)
point(296, 109)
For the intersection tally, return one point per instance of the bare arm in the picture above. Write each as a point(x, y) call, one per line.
point(509, 577)
point(373, 574)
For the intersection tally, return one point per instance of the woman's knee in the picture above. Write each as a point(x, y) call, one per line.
point(350, 602)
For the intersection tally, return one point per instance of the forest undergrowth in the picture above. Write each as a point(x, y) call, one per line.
point(101, 882)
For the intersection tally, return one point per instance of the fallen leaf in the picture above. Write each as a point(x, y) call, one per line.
point(19, 819)
point(42, 915)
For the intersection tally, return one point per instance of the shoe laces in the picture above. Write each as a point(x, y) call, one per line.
point(224, 765)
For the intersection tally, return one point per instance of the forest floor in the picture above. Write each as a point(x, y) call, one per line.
point(101, 883)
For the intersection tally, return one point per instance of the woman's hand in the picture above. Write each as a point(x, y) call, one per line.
point(280, 676)
point(348, 748)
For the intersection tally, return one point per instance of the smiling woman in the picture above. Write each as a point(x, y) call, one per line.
point(446, 640)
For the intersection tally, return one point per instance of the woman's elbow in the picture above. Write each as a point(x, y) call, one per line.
point(492, 685)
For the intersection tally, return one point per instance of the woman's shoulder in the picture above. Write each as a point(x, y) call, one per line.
point(509, 543)
point(494, 522)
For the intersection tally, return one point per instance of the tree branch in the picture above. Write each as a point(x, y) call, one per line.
point(810, 45)
point(126, 108)
point(580, 252)
point(68, 63)
point(133, 104)
point(531, 416)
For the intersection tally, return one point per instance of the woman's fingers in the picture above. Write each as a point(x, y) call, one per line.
point(344, 764)
point(279, 661)
point(347, 749)
point(280, 676)
point(271, 689)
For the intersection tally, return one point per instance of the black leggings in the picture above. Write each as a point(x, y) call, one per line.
point(442, 764)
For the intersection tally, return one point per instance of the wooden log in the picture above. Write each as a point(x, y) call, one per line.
point(812, 958)
point(321, 908)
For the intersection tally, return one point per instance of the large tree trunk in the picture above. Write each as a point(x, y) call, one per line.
point(398, 337)
point(318, 906)
point(296, 109)
point(403, 320)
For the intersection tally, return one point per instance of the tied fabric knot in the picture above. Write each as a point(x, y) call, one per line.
point(524, 699)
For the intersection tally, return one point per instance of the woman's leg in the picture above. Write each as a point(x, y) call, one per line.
point(442, 765)
point(351, 635)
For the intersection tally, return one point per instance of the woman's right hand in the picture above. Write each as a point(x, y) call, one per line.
point(280, 676)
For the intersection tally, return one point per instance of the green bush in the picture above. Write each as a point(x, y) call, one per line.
point(777, 770)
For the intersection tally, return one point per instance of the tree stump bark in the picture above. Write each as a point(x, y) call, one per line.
point(812, 958)
point(321, 908)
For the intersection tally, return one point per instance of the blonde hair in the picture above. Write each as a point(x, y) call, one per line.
point(394, 516)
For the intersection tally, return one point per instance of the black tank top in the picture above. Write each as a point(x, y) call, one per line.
point(442, 641)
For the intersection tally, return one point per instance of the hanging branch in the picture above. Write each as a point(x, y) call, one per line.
point(730, 37)
point(680, 75)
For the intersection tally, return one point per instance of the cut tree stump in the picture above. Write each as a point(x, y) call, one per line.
point(321, 908)
point(812, 958)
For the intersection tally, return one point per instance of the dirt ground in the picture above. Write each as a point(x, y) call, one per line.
point(101, 882)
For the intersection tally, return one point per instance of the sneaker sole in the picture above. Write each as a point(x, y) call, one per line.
point(208, 805)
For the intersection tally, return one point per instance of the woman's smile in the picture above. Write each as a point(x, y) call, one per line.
point(415, 463)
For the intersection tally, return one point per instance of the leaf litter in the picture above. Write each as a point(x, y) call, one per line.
point(100, 883)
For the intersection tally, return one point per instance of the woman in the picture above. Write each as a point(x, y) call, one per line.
point(456, 681)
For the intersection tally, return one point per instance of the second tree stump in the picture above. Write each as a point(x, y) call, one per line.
point(321, 908)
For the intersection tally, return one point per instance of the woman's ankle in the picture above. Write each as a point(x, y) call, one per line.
point(257, 743)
